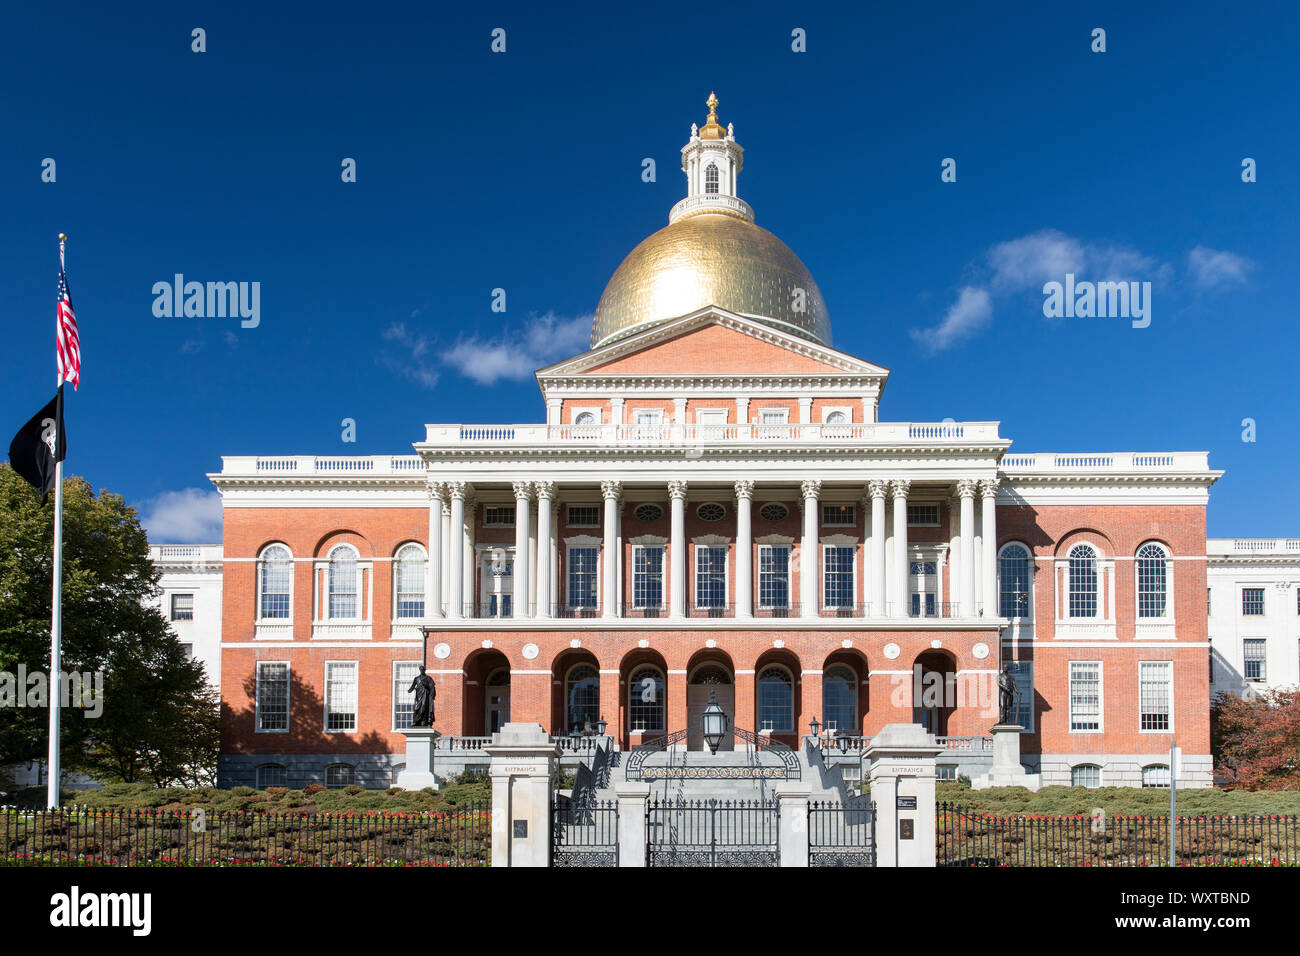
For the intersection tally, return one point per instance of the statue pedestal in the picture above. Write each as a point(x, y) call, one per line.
point(1006, 770)
point(419, 759)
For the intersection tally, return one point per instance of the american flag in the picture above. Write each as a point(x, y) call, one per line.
point(68, 344)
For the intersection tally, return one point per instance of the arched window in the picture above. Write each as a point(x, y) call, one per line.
point(775, 700)
point(408, 577)
point(1014, 580)
point(275, 583)
point(711, 178)
point(271, 775)
point(1085, 775)
point(645, 700)
point(1156, 775)
point(343, 586)
point(585, 418)
point(340, 775)
point(836, 418)
point(1152, 581)
point(1083, 581)
point(582, 697)
point(840, 699)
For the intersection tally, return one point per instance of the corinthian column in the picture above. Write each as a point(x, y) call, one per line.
point(878, 490)
point(899, 489)
point(808, 563)
point(677, 549)
point(610, 490)
point(456, 552)
point(545, 500)
point(744, 549)
point(989, 534)
point(523, 531)
point(966, 489)
point(433, 568)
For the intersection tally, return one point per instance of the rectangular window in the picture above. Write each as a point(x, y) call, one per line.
point(583, 516)
point(773, 416)
point(272, 695)
point(1023, 672)
point(923, 516)
point(929, 603)
point(1254, 651)
point(403, 701)
point(410, 588)
point(647, 577)
point(341, 696)
point(499, 516)
point(188, 649)
point(773, 576)
point(182, 607)
point(583, 564)
point(837, 576)
point(839, 516)
point(710, 577)
point(1155, 695)
point(1085, 695)
point(1252, 601)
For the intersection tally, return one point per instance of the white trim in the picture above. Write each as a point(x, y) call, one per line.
point(655, 543)
point(260, 622)
point(356, 702)
point(839, 541)
point(1169, 684)
point(711, 541)
point(1026, 620)
point(257, 697)
point(424, 578)
point(1167, 619)
point(1101, 697)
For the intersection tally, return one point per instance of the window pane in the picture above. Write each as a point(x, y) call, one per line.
point(340, 775)
point(182, 607)
point(1156, 775)
point(774, 576)
point(710, 577)
point(1151, 581)
point(1013, 582)
point(271, 775)
point(840, 700)
point(272, 696)
point(403, 701)
point(1155, 692)
point(410, 582)
point(1023, 672)
point(645, 703)
point(582, 577)
point(583, 516)
point(775, 700)
point(341, 696)
point(1083, 582)
point(583, 697)
point(343, 583)
point(837, 576)
point(1254, 652)
point(1086, 775)
point(647, 577)
point(1085, 695)
point(1252, 601)
point(277, 574)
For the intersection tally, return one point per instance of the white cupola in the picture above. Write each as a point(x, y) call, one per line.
point(712, 161)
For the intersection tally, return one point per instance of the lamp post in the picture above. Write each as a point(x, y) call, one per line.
point(714, 722)
point(601, 725)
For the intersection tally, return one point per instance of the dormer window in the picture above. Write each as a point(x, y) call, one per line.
point(711, 179)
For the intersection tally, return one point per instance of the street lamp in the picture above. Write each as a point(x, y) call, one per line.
point(815, 728)
point(601, 725)
point(714, 722)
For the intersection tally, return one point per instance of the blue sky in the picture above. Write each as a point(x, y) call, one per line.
point(522, 171)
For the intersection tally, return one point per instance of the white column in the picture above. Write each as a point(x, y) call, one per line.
point(523, 523)
point(456, 552)
point(553, 549)
point(966, 491)
point(609, 575)
point(878, 490)
point(545, 498)
point(553, 407)
point(744, 549)
point(808, 557)
point(469, 585)
point(447, 543)
point(677, 549)
point(805, 410)
point(989, 527)
point(899, 489)
point(433, 569)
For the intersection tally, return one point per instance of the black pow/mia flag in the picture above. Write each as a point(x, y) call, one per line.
point(38, 445)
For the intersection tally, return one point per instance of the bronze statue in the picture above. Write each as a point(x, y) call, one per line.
point(425, 692)
point(1007, 693)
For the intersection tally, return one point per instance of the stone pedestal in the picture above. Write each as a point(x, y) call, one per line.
point(902, 779)
point(523, 759)
point(632, 799)
point(792, 798)
point(419, 759)
point(1006, 771)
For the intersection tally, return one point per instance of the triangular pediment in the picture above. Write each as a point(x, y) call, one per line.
point(713, 342)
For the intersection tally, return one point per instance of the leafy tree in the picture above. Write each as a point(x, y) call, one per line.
point(1256, 740)
point(150, 721)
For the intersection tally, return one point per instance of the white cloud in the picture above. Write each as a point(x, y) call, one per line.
point(964, 317)
point(188, 516)
point(516, 354)
point(414, 361)
point(1215, 268)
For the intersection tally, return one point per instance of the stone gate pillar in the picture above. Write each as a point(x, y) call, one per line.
point(523, 759)
point(632, 799)
point(901, 758)
point(792, 799)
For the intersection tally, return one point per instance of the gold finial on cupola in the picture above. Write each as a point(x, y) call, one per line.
point(712, 130)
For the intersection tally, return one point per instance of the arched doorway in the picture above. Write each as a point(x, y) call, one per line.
point(778, 696)
point(487, 693)
point(844, 692)
point(644, 679)
point(934, 691)
point(496, 693)
point(711, 675)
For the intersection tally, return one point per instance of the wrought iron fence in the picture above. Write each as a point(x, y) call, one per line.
point(459, 837)
point(707, 833)
point(584, 834)
point(842, 834)
point(968, 837)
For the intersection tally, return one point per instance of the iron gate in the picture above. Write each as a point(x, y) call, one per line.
point(584, 833)
point(708, 833)
point(842, 834)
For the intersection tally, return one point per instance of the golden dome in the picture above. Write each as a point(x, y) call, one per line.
point(711, 259)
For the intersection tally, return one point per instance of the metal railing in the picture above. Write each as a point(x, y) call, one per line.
point(966, 837)
point(842, 834)
point(584, 834)
point(458, 837)
point(712, 833)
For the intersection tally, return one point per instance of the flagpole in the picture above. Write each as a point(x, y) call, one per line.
point(53, 684)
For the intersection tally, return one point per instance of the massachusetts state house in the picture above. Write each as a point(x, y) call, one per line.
point(714, 504)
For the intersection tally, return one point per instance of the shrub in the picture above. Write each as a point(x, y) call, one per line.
point(313, 788)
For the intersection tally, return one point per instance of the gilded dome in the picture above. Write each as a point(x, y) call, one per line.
point(711, 259)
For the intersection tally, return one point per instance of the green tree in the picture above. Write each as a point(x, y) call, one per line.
point(109, 625)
